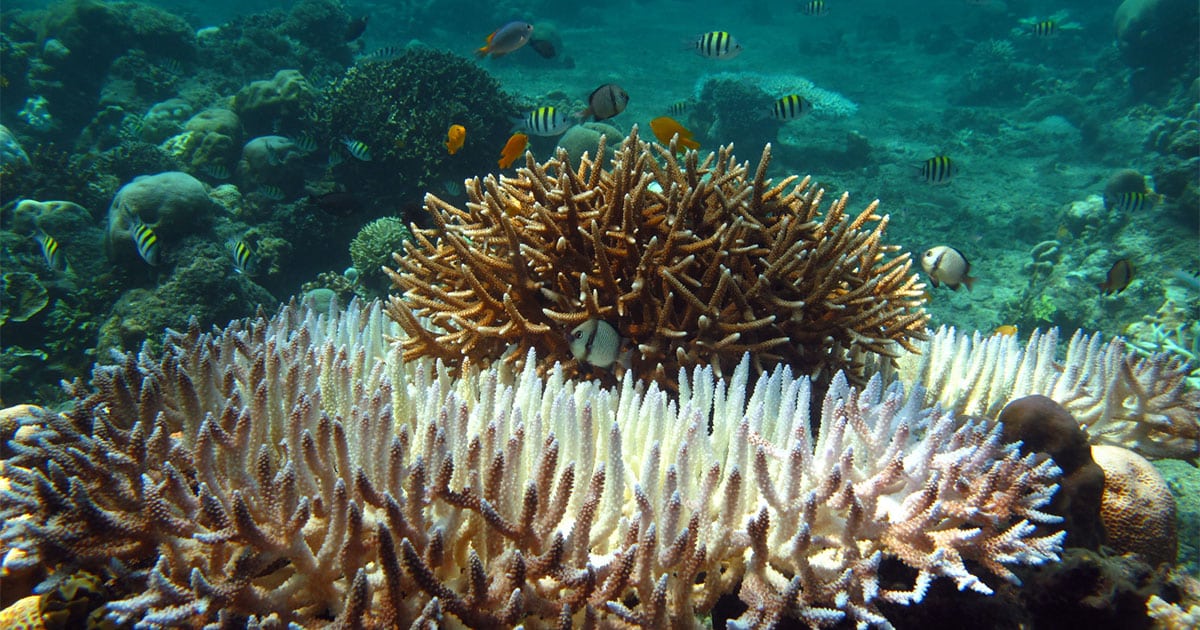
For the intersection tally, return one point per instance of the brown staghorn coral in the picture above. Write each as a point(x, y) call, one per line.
point(694, 262)
point(1142, 403)
point(295, 470)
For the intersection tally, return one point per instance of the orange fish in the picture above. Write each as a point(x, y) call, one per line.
point(1007, 330)
point(455, 137)
point(664, 127)
point(513, 149)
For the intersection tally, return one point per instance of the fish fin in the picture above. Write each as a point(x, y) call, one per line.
point(968, 280)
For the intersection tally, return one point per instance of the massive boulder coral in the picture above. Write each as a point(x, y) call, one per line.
point(693, 262)
point(284, 97)
point(174, 204)
point(296, 470)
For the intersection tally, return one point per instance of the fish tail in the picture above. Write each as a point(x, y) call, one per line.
point(481, 52)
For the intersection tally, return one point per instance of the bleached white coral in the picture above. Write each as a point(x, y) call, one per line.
point(825, 102)
point(295, 470)
point(1123, 399)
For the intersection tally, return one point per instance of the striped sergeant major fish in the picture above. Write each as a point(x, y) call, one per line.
point(357, 149)
point(939, 169)
point(1132, 201)
point(791, 106)
point(146, 242)
point(716, 45)
point(55, 259)
point(244, 260)
point(546, 121)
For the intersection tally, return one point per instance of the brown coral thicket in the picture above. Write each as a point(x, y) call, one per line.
point(694, 261)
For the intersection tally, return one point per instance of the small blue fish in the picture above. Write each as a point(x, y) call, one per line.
point(506, 39)
point(357, 149)
point(56, 260)
point(146, 242)
point(244, 260)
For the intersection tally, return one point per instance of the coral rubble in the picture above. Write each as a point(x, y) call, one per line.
point(693, 261)
point(296, 470)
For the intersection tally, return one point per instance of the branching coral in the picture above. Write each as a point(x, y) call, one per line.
point(296, 471)
point(694, 262)
point(1141, 403)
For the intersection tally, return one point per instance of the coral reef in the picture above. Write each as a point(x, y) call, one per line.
point(372, 248)
point(282, 100)
point(693, 262)
point(400, 109)
point(295, 470)
point(1156, 40)
point(1043, 426)
point(1122, 399)
point(1172, 330)
point(1137, 508)
point(173, 204)
point(21, 297)
point(210, 140)
point(272, 160)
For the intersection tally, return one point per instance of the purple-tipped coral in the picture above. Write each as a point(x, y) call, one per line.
point(294, 470)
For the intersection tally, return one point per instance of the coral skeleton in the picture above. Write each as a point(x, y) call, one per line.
point(693, 262)
point(1137, 400)
point(297, 470)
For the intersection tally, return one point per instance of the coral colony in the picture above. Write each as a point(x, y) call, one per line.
point(297, 470)
point(454, 464)
point(651, 247)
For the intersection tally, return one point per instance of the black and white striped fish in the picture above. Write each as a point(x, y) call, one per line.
point(679, 107)
point(791, 106)
point(939, 169)
point(146, 242)
point(717, 45)
point(546, 121)
point(244, 260)
point(357, 149)
point(56, 260)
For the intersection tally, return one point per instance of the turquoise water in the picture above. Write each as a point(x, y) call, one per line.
point(1037, 121)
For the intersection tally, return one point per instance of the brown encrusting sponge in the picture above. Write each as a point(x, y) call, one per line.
point(692, 261)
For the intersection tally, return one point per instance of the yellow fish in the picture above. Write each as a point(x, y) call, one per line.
point(455, 137)
point(512, 149)
point(664, 127)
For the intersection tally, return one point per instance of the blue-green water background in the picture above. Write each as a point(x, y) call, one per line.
point(1037, 126)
